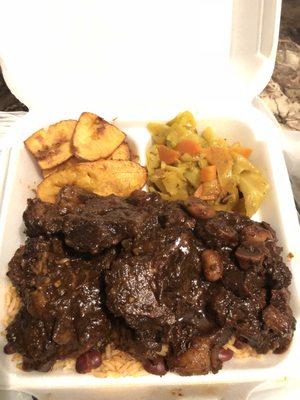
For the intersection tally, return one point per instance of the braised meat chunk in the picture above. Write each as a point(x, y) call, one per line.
point(202, 356)
point(62, 314)
point(88, 223)
point(41, 218)
point(168, 282)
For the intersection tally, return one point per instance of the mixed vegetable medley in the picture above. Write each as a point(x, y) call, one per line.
point(183, 162)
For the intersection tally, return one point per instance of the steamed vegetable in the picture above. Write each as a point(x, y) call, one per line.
point(208, 173)
point(250, 182)
point(189, 147)
point(181, 162)
point(167, 155)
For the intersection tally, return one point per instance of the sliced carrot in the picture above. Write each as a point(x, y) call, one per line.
point(169, 156)
point(208, 173)
point(189, 147)
point(243, 151)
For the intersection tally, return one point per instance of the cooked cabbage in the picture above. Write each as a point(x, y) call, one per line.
point(237, 184)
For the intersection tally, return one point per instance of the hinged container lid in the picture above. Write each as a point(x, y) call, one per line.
point(129, 55)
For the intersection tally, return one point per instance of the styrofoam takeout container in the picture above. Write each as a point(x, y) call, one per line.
point(141, 61)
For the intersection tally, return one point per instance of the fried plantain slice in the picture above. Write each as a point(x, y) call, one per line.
point(121, 153)
point(52, 146)
point(95, 138)
point(66, 164)
point(103, 177)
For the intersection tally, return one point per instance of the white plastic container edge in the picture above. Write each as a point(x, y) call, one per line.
point(254, 129)
point(138, 58)
point(135, 70)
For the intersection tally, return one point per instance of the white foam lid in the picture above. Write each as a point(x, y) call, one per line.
point(136, 55)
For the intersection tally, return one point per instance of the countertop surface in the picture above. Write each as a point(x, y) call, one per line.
point(282, 95)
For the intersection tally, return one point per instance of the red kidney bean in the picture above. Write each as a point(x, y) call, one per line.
point(239, 345)
point(225, 354)
point(255, 233)
point(250, 254)
point(212, 265)
point(199, 209)
point(88, 361)
point(27, 365)
point(156, 367)
point(46, 366)
point(9, 349)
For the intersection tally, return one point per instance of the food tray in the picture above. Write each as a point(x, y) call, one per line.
point(254, 130)
point(140, 68)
